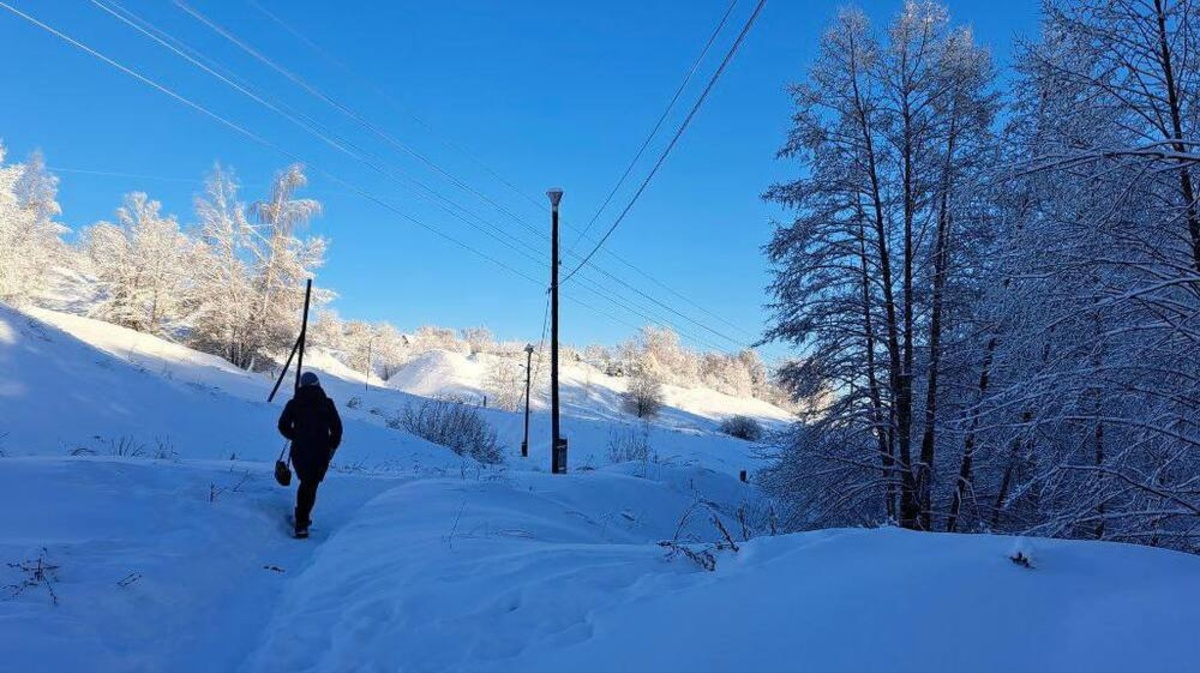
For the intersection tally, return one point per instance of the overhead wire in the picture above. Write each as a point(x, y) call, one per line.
point(280, 150)
point(251, 135)
point(674, 140)
point(305, 122)
point(295, 78)
point(657, 124)
point(249, 49)
point(311, 44)
point(346, 110)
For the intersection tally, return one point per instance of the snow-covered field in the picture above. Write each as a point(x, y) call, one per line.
point(178, 558)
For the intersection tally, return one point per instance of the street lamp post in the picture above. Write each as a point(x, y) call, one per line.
point(528, 362)
point(558, 445)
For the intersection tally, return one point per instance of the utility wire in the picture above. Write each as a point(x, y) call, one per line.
point(310, 125)
point(252, 136)
point(678, 134)
point(116, 174)
point(349, 148)
point(342, 108)
point(290, 155)
point(658, 124)
point(391, 100)
point(312, 45)
point(197, 59)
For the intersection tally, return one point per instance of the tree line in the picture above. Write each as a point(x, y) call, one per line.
point(994, 291)
point(229, 284)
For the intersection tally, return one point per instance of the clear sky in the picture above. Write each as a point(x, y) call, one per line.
point(537, 93)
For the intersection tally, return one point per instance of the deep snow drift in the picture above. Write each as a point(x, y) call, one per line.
point(421, 560)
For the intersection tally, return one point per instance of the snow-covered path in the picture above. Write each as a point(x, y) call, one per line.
point(541, 573)
point(194, 545)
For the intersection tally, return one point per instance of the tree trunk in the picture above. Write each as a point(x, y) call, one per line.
point(907, 503)
point(940, 270)
point(910, 503)
point(965, 475)
point(882, 434)
point(1186, 188)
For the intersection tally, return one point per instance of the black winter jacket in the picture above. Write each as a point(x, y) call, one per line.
point(311, 422)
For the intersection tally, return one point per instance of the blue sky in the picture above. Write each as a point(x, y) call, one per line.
point(537, 93)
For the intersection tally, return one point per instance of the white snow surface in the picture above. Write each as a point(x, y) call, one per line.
point(178, 559)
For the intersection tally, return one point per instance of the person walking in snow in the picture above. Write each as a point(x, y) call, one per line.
point(310, 420)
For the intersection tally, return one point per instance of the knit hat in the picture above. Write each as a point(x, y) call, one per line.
point(309, 379)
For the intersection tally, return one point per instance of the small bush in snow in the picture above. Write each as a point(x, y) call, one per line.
point(644, 398)
point(354, 402)
point(459, 427)
point(164, 449)
point(39, 572)
point(126, 447)
point(742, 427)
point(629, 445)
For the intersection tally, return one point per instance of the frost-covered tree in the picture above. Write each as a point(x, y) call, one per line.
point(140, 263)
point(283, 262)
point(504, 383)
point(479, 339)
point(428, 337)
point(392, 350)
point(1090, 398)
point(224, 287)
point(644, 396)
point(890, 129)
point(995, 325)
point(30, 238)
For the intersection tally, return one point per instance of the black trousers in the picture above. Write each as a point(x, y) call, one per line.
point(306, 497)
point(310, 470)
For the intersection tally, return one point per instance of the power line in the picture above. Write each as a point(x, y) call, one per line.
point(678, 134)
point(307, 123)
point(228, 35)
point(311, 44)
point(194, 57)
point(251, 135)
point(658, 124)
point(391, 100)
point(342, 108)
point(258, 139)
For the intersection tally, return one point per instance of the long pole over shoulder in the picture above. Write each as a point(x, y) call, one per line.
point(303, 332)
point(286, 366)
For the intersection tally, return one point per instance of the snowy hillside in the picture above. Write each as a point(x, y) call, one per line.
point(586, 391)
point(177, 558)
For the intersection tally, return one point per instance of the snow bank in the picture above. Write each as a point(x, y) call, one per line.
point(540, 573)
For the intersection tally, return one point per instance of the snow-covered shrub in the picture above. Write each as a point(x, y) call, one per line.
point(742, 427)
point(478, 339)
point(459, 427)
point(644, 398)
point(505, 384)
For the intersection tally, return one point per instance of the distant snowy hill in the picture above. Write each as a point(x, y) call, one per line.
point(175, 556)
point(586, 391)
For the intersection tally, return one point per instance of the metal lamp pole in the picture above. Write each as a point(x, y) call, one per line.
point(528, 372)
